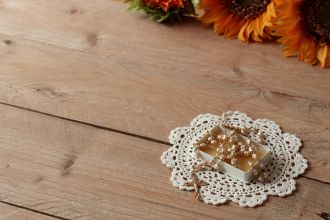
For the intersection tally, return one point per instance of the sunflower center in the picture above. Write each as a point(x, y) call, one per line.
point(247, 9)
point(316, 18)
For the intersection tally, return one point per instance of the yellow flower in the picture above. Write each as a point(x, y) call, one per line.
point(242, 19)
point(304, 28)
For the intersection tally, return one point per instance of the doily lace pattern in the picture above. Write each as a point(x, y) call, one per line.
point(286, 164)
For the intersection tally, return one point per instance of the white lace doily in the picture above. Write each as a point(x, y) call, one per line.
point(287, 162)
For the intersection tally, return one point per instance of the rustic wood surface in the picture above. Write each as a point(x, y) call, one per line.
point(89, 93)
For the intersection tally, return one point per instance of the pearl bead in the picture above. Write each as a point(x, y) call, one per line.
point(232, 132)
point(213, 142)
point(202, 145)
point(244, 130)
point(234, 147)
point(250, 149)
point(254, 156)
point(233, 161)
point(255, 172)
point(210, 138)
point(219, 136)
point(261, 165)
point(222, 157)
point(248, 141)
point(240, 144)
point(224, 137)
point(233, 154)
point(261, 179)
point(246, 153)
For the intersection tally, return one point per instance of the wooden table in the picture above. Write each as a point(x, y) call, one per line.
point(90, 92)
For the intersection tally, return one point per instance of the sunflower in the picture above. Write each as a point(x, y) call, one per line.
point(304, 27)
point(245, 19)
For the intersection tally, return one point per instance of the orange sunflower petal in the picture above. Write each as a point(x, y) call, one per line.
point(323, 55)
point(232, 26)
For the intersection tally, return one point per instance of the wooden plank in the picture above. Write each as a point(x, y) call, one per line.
point(8, 212)
point(80, 23)
point(77, 60)
point(82, 172)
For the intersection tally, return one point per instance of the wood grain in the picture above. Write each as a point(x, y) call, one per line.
point(8, 212)
point(97, 63)
point(77, 171)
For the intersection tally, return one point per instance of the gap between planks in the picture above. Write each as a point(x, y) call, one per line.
point(32, 210)
point(120, 132)
point(90, 124)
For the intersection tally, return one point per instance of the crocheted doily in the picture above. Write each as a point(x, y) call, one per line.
point(286, 164)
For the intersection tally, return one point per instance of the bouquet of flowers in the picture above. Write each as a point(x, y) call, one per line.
point(302, 27)
point(164, 10)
